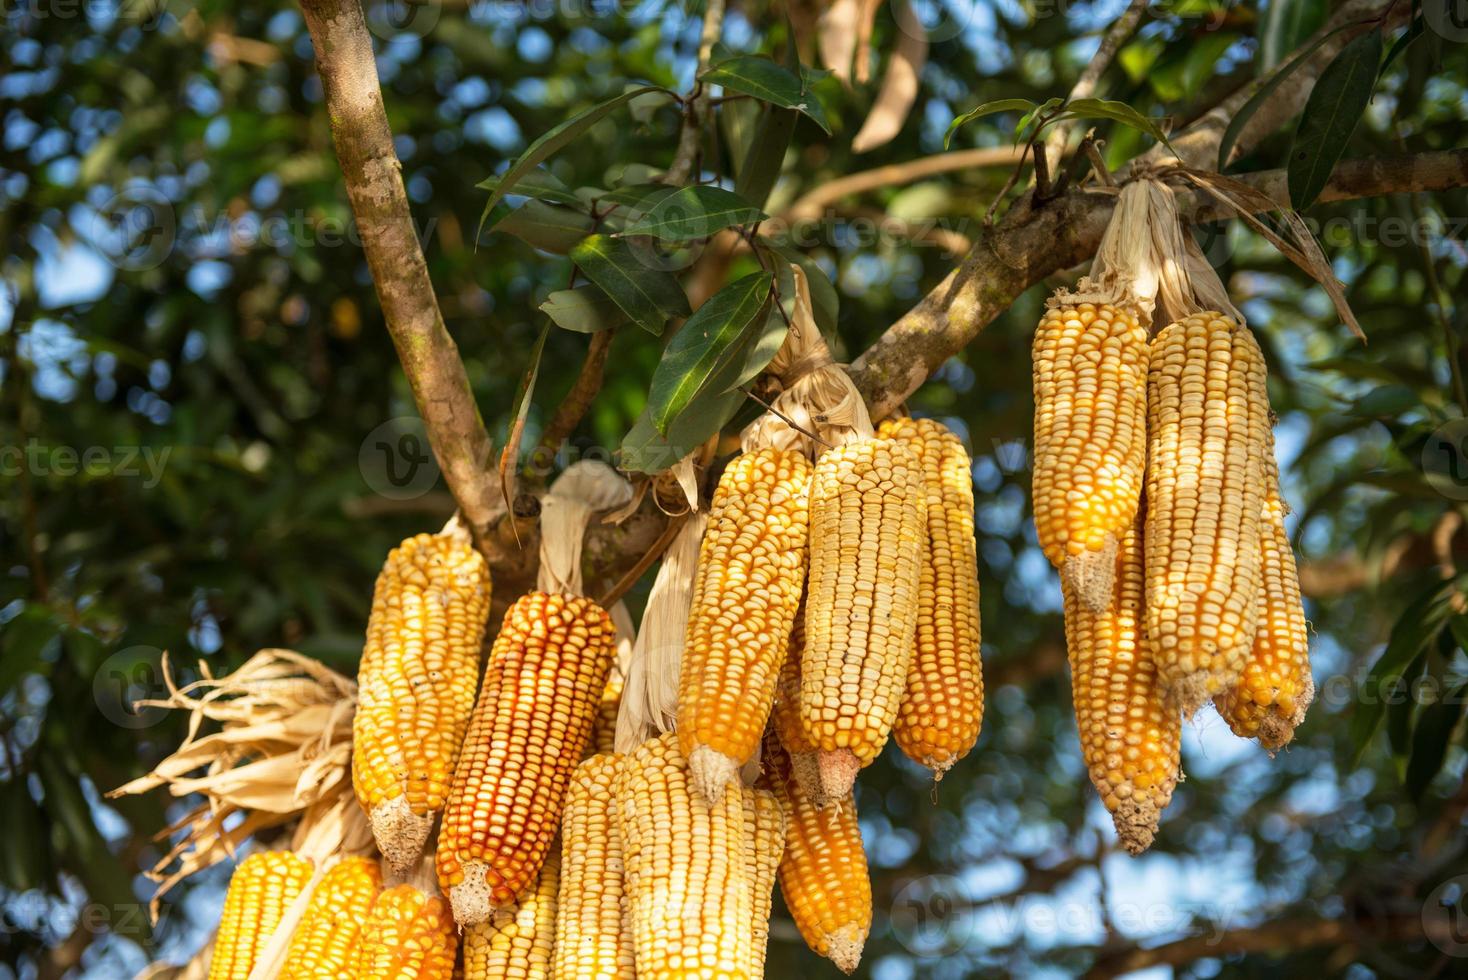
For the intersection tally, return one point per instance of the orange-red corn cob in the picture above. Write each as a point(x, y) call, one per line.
point(541, 688)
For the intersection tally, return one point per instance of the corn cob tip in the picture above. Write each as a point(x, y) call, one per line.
point(1190, 692)
point(1136, 821)
point(838, 771)
point(400, 833)
point(473, 898)
point(1092, 574)
point(711, 772)
point(844, 947)
point(1277, 729)
point(806, 768)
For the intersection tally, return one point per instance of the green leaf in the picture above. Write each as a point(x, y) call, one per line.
point(1285, 25)
point(539, 184)
point(637, 197)
point(1120, 112)
point(1336, 104)
point(1024, 121)
point(647, 295)
point(987, 109)
point(645, 450)
point(824, 300)
point(1431, 738)
point(1387, 401)
point(711, 343)
point(1183, 77)
point(768, 82)
point(1241, 118)
point(558, 137)
point(695, 212)
point(766, 156)
point(585, 309)
point(762, 350)
point(1418, 626)
point(548, 227)
point(1404, 41)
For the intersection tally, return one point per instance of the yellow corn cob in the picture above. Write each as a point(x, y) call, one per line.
point(325, 942)
point(867, 534)
point(940, 716)
point(786, 721)
point(823, 872)
point(687, 869)
point(415, 687)
point(751, 569)
point(545, 676)
point(516, 944)
point(1207, 435)
point(604, 728)
point(1129, 735)
point(260, 889)
point(1270, 699)
point(593, 942)
point(407, 936)
point(764, 828)
point(1090, 385)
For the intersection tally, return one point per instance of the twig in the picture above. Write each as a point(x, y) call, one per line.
point(629, 578)
point(1440, 302)
point(1085, 87)
point(574, 406)
point(1008, 186)
point(373, 176)
point(695, 108)
point(785, 418)
point(1091, 147)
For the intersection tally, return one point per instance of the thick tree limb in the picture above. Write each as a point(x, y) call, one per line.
point(1034, 240)
point(374, 182)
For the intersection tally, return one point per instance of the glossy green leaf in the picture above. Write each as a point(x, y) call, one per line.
point(761, 350)
point(548, 227)
point(539, 184)
point(1241, 118)
point(824, 300)
point(646, 294)
point(1336, 104)
point(645, 450)
point(1153, 126)
point(987, 109)
point(1432, 737)
point(1284, 26)
point(768, 82)
point(695, 212)
point(766, 156)
point(585, 309)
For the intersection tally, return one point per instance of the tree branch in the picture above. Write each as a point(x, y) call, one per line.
point(1034, 240)
point(1085, 86)
point(374, 182)
point(695, 112)
point(812, 203)
point(573, 407)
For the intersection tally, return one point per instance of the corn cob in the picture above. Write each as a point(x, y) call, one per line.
point(407, 936)
point(940, 716)
point(516, 944)
point(545, 676)
point(592, 940)
point(751, 569)
point(686, 869)
point(260, 889)
point(1129, 736)
point(325, 942)
point(867, 536)
point(764, 828)
point(1208, 432)
point(1090, 386)
point(823, 872)
point(415, 687)
point(1269, 701)
point(786, 721)
point(604, 728)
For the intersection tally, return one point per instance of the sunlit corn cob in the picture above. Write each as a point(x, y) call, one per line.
point(407, 936)
point(593, 938)
point(324, 945)
point(944, 706)
point(541, 688)
point(867, 535)
point(260, 889)
point(1090, 386)
point(823, 872)
point(751, 570)
point(415, 687)
point(687, 869)
point(786, 721)
point(764, 828)
point(604, 728)
point(516, 943)
point(1269, 701)
point(1208, 434)
point(1129, 735)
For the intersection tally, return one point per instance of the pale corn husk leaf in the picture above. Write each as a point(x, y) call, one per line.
point(650, 695)
point(282, 754)
point(585, 488)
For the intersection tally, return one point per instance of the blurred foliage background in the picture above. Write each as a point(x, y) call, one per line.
point(184, 423)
